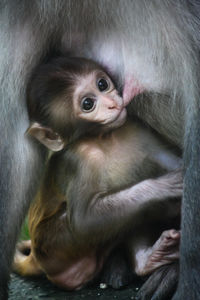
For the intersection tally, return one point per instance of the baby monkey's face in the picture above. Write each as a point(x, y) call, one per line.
point(94, 99)
point(97, 100)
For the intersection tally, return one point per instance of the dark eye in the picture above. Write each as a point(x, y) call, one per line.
point(88, 104)
point(102, 84)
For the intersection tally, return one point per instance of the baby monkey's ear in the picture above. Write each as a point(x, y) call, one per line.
point(46, 136)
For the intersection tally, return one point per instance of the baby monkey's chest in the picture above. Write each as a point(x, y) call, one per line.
point(118, 159)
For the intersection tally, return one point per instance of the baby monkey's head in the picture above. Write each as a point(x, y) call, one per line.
point(70, 97)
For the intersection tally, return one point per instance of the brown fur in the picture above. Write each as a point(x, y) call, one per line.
point(79, 212)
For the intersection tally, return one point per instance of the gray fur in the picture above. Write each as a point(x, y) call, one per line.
point(156, 40)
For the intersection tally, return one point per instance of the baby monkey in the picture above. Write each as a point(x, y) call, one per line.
point(101, 187)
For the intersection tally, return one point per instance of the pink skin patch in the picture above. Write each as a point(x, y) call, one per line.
point(81, 271)
point(78, 274)
point(131, 89)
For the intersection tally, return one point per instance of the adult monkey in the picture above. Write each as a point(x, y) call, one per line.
point(148, 46)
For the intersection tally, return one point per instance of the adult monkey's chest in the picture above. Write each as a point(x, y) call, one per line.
point(114, 37)
point(109, 33)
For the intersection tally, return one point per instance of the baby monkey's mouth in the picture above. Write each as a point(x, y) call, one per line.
point(118, 121)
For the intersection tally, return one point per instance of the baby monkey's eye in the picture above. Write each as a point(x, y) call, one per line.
point(88, 104)
point(102, 84)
